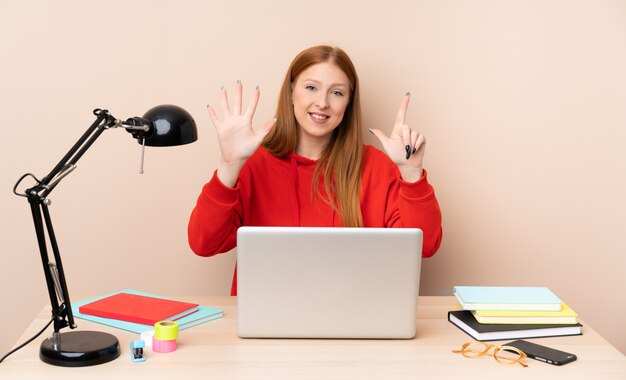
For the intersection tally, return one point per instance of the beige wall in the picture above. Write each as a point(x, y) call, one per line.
point(522, 102)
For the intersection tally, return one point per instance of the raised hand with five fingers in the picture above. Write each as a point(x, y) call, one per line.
point(237, 139)
point(405, 146)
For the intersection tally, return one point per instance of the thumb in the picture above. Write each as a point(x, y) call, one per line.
point(379, 135)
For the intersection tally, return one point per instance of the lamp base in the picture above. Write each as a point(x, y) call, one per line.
point(80, 349)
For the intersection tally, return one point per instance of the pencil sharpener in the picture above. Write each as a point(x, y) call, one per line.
point(136, 350)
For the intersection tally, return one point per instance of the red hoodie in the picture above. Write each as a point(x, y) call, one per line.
point(275, 191)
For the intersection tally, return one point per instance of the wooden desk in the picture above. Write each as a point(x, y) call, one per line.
point(213, 351)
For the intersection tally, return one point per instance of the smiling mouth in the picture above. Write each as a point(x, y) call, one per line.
point(318, 116)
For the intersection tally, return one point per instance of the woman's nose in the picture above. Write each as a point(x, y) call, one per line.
point(322, 100)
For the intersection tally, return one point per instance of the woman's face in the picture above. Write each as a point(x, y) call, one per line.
point(320, 96)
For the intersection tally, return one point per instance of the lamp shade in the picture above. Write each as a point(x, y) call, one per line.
point(170, 126)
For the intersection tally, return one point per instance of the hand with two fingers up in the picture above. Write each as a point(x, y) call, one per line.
point(404, 146)
point(237, 139)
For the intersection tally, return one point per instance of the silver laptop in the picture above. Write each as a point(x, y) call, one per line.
point(310, 282)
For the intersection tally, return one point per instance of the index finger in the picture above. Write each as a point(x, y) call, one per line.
point(404, 104)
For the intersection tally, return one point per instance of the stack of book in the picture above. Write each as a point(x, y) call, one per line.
point(137, 311)
point(496, 313)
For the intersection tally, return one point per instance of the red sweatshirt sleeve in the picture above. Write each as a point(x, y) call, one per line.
point(415, 205)
point(215, 219)
point(392, 202)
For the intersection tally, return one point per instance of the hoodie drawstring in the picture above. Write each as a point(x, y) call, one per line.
point(294, 177)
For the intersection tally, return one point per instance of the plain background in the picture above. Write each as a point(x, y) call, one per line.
point(522, 103)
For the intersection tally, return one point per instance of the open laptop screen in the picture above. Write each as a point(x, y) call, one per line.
point(317, 282)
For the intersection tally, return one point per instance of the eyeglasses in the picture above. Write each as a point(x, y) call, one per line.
point(502, 354)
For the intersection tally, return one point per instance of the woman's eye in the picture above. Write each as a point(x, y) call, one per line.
point(338, 93)
point(310, 88)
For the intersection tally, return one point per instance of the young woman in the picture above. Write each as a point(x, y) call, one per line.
point(309, 167)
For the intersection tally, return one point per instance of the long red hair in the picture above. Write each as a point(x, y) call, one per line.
point(341, 161)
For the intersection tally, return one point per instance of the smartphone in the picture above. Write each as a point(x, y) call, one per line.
point(543, 353)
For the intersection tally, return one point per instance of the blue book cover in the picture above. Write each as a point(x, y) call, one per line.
point(506, 298)
point(204, 314)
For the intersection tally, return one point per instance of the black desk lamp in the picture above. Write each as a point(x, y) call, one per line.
point(165, 125)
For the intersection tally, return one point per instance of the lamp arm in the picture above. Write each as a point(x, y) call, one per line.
point(101, 116)
point(55, 277)
point(68, 162)
point(37, 197)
